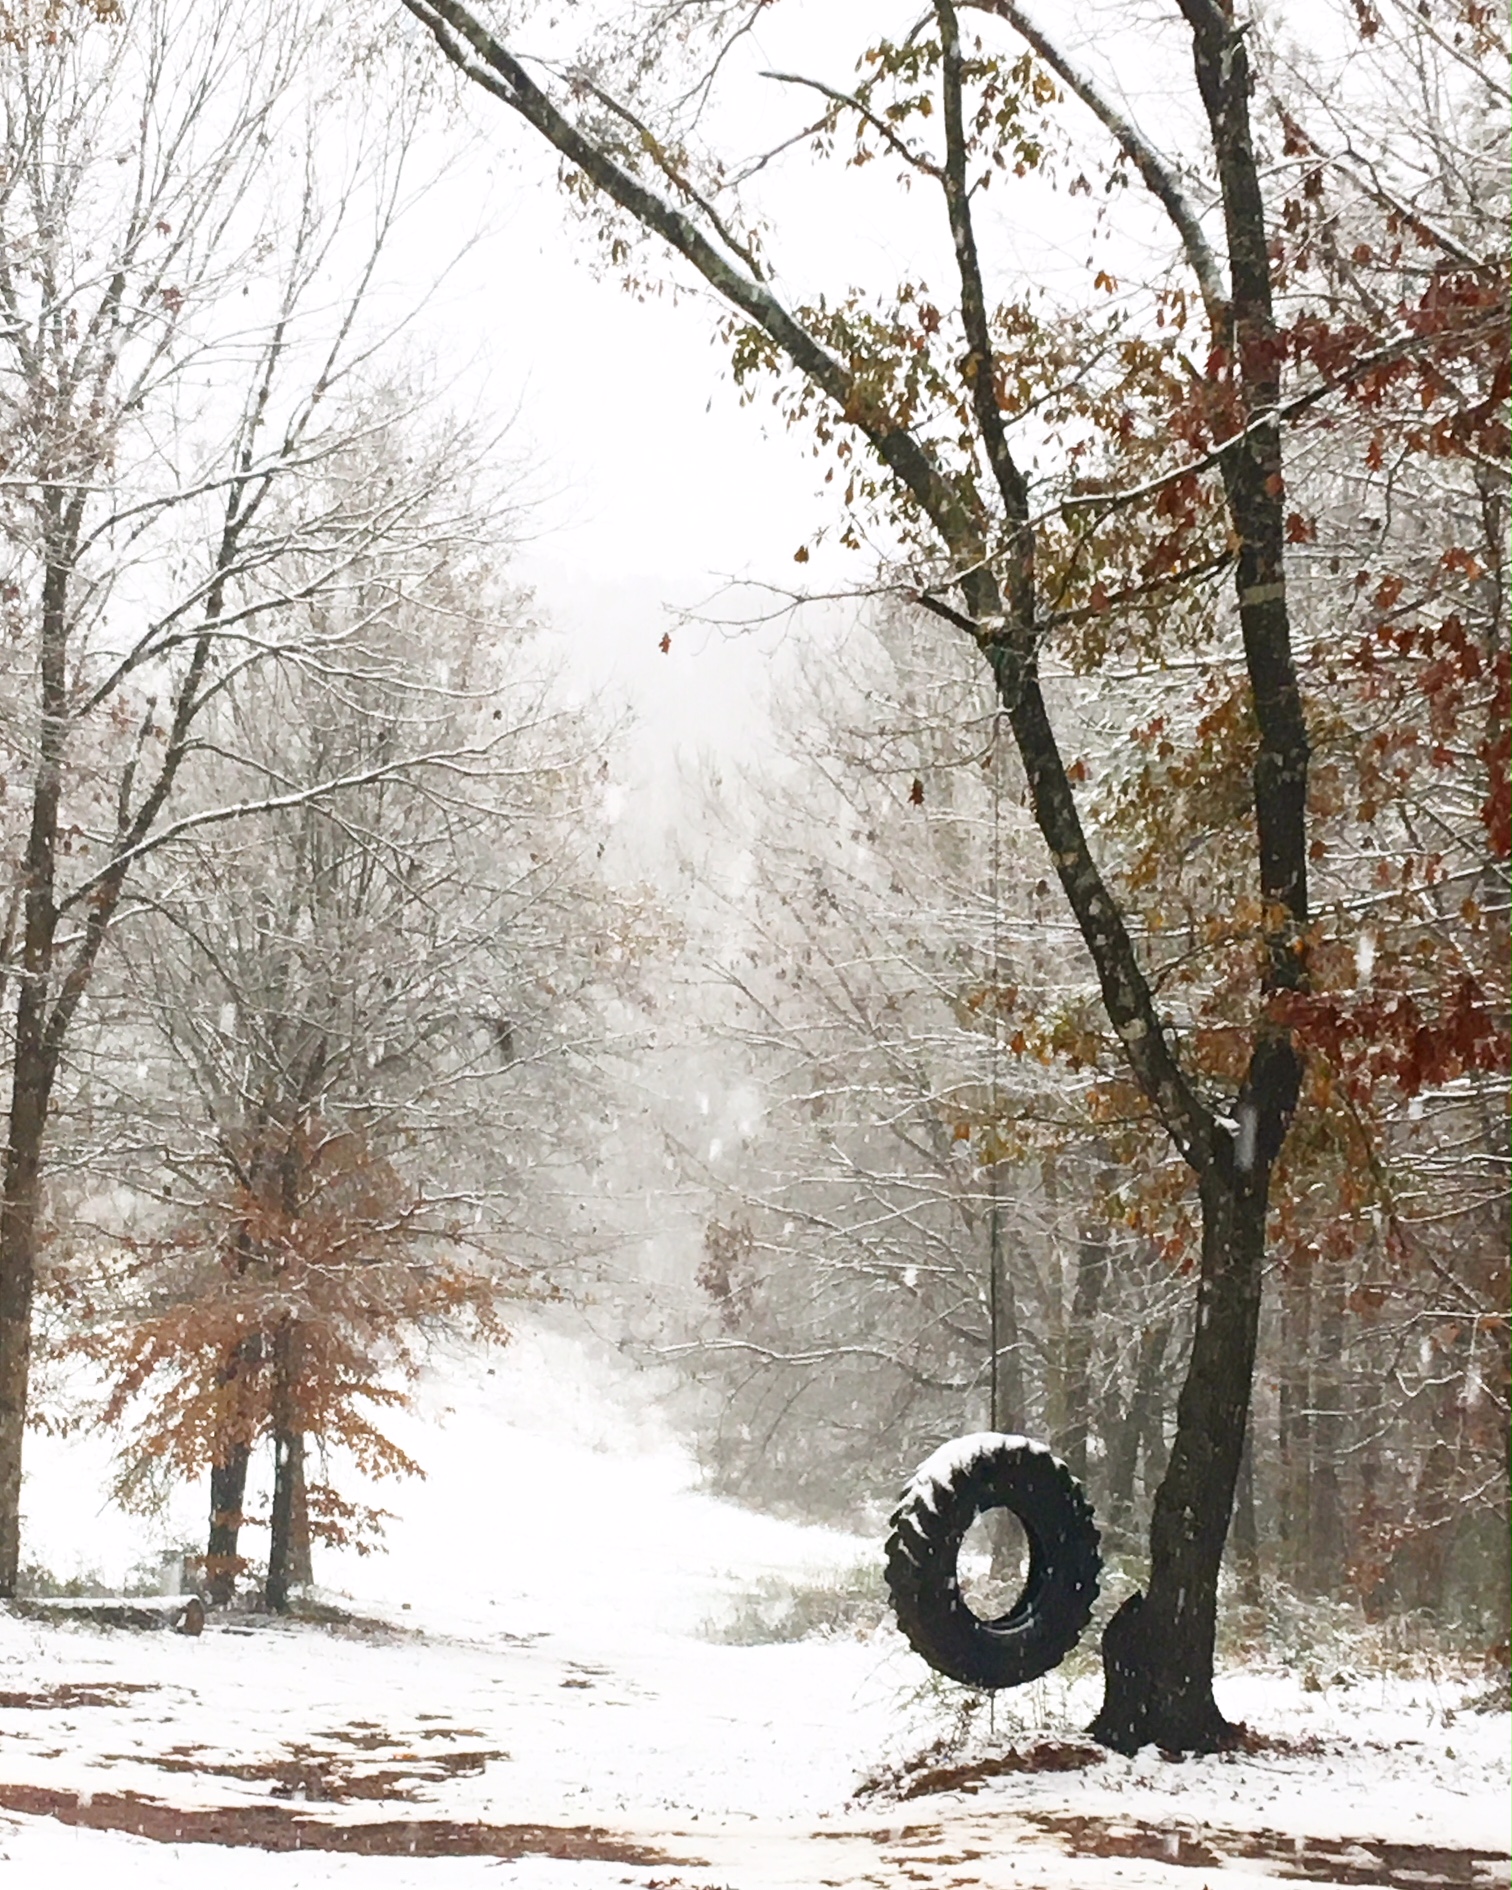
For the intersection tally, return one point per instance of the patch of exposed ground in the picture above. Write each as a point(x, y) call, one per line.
point(368, 1736)
point(341, 1623)
point(273, 1828)
point(920, 1777)
point(927, 1773)
point(1363, 1861)
point(322, 1776)
point(325, 1775)
point(1330, 1860)
point(66, 1698)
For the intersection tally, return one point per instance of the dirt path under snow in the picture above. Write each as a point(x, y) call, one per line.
point(952, 1849)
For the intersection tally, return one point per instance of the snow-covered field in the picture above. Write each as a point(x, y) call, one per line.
point(534, 1704)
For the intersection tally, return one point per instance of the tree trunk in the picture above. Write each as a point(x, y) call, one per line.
point(1507, 1495)
point(18, 1214)
point(289, 1548)
point(1325, 1506)
point(228, 1488)
point(20, 1204)
point(1158, 1648)
point(283, 1550)
point(1140, 1424)
point(35, 1054)
point(301, 1567)
point(1246, 1525)
point(1006, 1400)
point(1091, 1277)
point(1294, 1429)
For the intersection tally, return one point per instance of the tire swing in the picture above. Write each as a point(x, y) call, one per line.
point(961, 1481)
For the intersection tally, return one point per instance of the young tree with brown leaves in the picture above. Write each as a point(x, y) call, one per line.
point(371, 1007)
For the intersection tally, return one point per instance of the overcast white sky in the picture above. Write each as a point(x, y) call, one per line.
point(651, 485)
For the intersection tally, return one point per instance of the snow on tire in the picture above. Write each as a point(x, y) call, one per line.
point(949, 1491)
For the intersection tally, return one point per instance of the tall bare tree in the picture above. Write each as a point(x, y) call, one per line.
point(183, 292)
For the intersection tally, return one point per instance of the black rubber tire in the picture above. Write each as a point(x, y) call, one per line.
point(1047, 1620)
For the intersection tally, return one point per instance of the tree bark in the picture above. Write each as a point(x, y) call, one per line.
point(283, 1551)
point(1325, 1502)
point(1294, 1424)
point(289, 1546)
point(17, 1259)
point(1140, 1421)
point(301, 1566)
point(228, 1488)
point(1091, 1278)
point(18, 1244)
point(1158, 1648)
point(1246, 1536)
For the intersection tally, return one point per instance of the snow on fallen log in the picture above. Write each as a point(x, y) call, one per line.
point(185, 1614)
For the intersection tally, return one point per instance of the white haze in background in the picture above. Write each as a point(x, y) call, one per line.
point(655, 492)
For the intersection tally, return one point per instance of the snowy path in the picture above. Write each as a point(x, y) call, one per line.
point(542, 1712)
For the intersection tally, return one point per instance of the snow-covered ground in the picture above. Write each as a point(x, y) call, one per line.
point(537, 1705)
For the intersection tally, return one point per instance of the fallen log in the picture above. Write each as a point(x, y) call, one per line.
point(185, 1614)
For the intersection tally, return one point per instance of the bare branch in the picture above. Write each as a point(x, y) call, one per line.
point(915, 159)
point(1152, 168)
